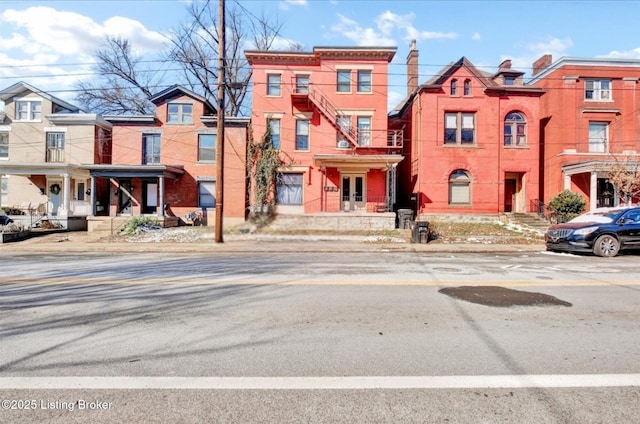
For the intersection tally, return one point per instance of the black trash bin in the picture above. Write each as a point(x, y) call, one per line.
point(420, 233)
point(405, 216)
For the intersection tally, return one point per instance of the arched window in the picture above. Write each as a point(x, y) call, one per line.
point(454, 87)
point(459, 188)
point(515, 130)
point(467, 87)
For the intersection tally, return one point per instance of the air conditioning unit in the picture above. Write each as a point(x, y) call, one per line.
point(343, 144)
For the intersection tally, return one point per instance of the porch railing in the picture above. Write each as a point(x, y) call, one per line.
point(335, 203)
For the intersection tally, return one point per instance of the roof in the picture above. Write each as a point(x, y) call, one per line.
point(584, 62)
point(21, 87)
point(180, 90)
point(321, 53)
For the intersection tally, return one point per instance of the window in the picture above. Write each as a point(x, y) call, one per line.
point(28, 110)
point(344, 81)
point(302, 84)
point(4, 145)
point(150, 149)
point(509, 80)
point(344, 122)
point(459, 188)
point(289, 189)
point(273, 85)
point(179, 113)
point(598, 137)
point(207, 147)
point(80, 192)
point(207, 194)
point(364, 82)
point(302, 134)
point(454, 87)
point(597, 90)
point(4, 190)
point(274, 128)
point(55, 147)
point(459, 128)
point(467, 87)
point(364, 131)
point(515, 130)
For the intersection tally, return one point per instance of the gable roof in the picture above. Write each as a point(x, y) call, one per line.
point(21, 87)
point(180, 90)
point(446, 72)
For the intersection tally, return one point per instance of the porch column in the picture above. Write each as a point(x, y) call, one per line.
point(161, 197)
point(66, 196)
point(2, 176)
point(92, 196)
point(593, 191)
point(567, 182)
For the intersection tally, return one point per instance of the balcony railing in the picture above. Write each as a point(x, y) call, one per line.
point(359, 204)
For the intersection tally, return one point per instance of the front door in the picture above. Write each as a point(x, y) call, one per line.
point(124, 198)
point(55, 196)
point(150, 195)
point(353, 186)
point(509, 195)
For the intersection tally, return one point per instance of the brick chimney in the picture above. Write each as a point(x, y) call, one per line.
point(541, 63)
point(412, 68)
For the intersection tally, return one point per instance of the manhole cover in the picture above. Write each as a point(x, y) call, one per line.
point(501, 297)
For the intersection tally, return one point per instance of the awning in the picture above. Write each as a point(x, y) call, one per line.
point(360, 162)
point(136, 171)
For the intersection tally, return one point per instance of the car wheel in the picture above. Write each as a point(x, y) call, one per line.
point(607, 246)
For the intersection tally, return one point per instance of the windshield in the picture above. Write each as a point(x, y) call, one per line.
point(603, 216)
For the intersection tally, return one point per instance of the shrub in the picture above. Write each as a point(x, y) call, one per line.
point(567, 205)
point(140, 224)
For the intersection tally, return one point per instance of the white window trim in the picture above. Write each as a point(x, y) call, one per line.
point(180, 112)
point(30, 100)
point(267, 75)
point(598, 90)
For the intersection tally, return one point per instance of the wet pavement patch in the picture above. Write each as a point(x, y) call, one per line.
point(501, 297)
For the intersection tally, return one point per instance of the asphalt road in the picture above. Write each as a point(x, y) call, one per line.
point(316, 337)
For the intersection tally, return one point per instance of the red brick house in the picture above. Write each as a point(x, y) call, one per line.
point(164, 165)
point(473, 145)
point(327, 112)
point(590, 122)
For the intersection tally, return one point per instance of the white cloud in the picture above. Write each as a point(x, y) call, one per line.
point(40, 40)
point(388, 27)
point(556, 47)
point(629, 54)
point(286, 4)
point(475, 36)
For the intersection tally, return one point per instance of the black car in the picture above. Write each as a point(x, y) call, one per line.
point(5, 220)
point(605, 232)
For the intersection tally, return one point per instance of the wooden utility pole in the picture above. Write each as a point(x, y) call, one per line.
point(220, 124)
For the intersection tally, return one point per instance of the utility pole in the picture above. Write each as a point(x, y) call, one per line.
point(220, 124)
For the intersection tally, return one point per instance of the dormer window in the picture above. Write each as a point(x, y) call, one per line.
point(180, 113)
point(509, 80)
point(28, 110)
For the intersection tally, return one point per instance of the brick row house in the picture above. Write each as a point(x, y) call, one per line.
point(590, 122)
point(84, 171)
point(471, 140)
point(44, 143)
point(164, 165)
point(327, 114)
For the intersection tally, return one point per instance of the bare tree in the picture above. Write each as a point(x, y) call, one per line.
point(195, 48)
point(624, 175)
point(122, 86)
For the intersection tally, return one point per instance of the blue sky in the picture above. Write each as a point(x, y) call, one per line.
point(49, 44)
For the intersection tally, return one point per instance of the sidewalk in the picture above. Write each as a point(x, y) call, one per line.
point(246, 243)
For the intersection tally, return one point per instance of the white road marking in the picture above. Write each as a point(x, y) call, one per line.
point(321, 383)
